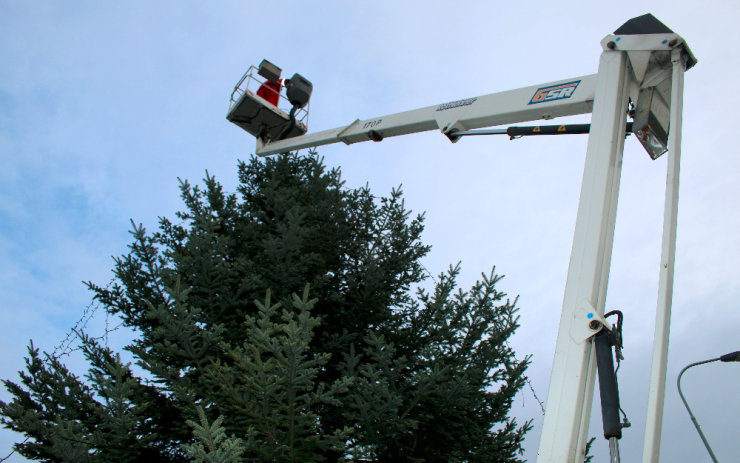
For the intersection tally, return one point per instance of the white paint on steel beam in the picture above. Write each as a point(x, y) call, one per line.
point(573, 373)
point(502, 108)
point(656, 395)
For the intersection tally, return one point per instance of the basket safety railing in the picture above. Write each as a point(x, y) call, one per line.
point(251, 82)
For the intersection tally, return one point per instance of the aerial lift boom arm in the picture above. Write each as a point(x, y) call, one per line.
point(640, 72)
point(555, 99)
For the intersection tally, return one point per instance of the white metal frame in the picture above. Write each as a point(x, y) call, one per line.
point(574, 367)
point(502, 108)
point(654, 423)
point(628, 63)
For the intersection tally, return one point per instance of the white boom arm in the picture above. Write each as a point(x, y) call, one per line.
point(566, 98)
point(633, 61)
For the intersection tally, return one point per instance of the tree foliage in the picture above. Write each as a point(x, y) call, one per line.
point(291, 312)
point(212, 445)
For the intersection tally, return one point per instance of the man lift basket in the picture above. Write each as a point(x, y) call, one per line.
point(258, 106)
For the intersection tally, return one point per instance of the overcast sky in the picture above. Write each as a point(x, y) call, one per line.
point(103, 105)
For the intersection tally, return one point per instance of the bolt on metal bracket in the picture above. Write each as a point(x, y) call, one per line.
point(588, 322)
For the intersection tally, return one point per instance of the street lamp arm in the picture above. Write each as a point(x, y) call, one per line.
point(693, 418)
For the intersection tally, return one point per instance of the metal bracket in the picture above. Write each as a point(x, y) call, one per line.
point(340, 135)
point(649, 54)
point(588, 321)
point(641, 42)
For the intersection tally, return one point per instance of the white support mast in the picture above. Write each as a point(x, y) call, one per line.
point(654, 423)
point(643, 62)
point(573, 371)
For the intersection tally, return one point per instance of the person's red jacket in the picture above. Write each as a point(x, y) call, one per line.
point(270, 91)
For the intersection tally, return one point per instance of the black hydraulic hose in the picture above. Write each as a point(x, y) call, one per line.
point(292, 125)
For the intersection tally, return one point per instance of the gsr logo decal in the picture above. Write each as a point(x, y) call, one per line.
point(554, 92)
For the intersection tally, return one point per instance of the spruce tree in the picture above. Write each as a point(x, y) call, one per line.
point(358, 366)
point(212, 445)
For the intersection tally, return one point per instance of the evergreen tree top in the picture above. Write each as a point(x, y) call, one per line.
point(240, 360)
